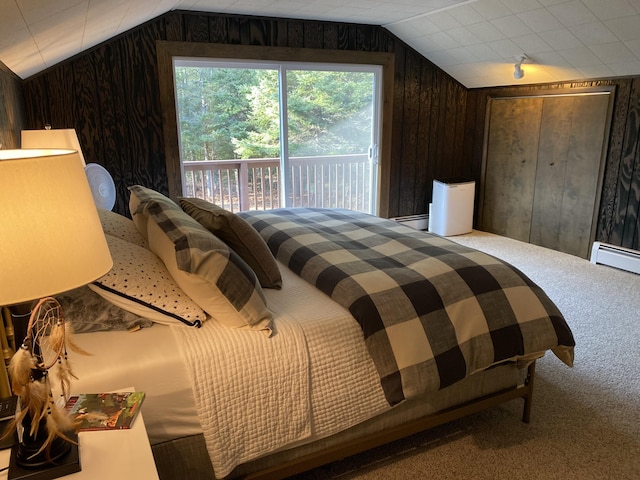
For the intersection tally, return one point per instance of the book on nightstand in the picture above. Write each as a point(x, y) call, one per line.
point(105, 411)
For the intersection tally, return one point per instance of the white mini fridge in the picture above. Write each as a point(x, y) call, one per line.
point(451, 209)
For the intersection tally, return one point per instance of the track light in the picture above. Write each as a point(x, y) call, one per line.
point(518, 73)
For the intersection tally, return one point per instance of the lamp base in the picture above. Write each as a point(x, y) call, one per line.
point(64, 465)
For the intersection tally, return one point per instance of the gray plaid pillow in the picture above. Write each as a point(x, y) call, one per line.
point(212, 274)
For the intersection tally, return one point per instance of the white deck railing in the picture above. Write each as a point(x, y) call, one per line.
point(338, 181)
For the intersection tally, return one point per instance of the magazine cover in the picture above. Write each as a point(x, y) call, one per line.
point(105, 411)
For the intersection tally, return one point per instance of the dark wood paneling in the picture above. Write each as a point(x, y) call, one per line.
point(12, 108)
point(110, 94)
point(628, 190)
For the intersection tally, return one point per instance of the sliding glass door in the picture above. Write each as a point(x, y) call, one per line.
point(261, 135)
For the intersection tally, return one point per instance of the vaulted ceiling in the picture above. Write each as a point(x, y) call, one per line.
point(475, 41)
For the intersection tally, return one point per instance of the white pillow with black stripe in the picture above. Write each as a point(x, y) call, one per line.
point(140, 283)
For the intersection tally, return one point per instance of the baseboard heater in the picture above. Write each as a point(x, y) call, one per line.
point(419, 222)
point(614, 256)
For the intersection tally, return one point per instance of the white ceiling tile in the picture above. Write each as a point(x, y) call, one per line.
point(626, 28)
point(606, 10)
point(423, 25)
point(444, 20)
point(540, 20)
point(613, 53)
point(467, 70)
point(552, 59)
point(485, 32)
point(561, 39)
point(547, 3)
point(580, 57)
point(491, 9)
point(465, 15)
point(572, 13)
point(438, 41)
point(463, 36)
point(454, 56)
point(625, 68)
point(634, 46)
point(20, 52)
point(11, 20)
point(505, 48)
point(519, 6)
point(484, 53)
point(408, 30)
point(593, 33)
point(34, 11)
point(511, 26)
point(459, 55)
point(596, 71)
point(533, 43)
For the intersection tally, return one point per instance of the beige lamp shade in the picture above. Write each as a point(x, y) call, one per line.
point(51, 238)
point(62, 138)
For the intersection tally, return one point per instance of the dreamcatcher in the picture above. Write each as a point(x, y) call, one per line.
point(43, 420)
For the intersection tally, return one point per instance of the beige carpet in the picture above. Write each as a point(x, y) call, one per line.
point(585, 420)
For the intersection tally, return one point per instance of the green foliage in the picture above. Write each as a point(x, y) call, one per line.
point(227, 113)
point(213, 109)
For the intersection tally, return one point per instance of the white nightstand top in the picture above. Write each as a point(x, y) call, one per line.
point(119, 454)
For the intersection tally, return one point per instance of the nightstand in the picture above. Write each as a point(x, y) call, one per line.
point(119, 454)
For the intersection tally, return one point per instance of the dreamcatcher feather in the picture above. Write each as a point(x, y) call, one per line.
point(44, 347)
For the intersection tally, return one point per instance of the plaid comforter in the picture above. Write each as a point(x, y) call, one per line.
point(432, 311)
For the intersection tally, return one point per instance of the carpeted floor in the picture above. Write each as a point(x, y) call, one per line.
point(585, 420)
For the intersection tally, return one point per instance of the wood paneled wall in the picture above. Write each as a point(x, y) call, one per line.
point(110, 96)
point(618, 220)
point(12, 115)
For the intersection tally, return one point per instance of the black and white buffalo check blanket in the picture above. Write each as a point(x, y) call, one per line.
point(432, 311)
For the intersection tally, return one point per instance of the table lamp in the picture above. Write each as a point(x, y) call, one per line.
point(51, 241)
point(48, 138)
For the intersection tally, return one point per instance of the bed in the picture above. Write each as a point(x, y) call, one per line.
point(251, 333)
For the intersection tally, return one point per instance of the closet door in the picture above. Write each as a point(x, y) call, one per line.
point(543, 168)
point(510, 171)
point(568, 171)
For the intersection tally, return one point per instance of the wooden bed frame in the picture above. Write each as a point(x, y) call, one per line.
point(166, 455)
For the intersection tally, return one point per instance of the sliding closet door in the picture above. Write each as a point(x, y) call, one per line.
point(543, 169)
point(510, 177)
point(567, 179)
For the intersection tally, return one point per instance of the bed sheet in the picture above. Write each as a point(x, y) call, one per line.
point(150, 361)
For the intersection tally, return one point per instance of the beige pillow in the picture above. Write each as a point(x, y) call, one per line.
point(239, 235)
point(140, 283)
point(120, 226)
point(213, 275)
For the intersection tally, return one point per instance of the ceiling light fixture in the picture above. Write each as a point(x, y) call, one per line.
point(518, 73)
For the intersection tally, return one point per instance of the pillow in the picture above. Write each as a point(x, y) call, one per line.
point(214, 276)
point(86, 311)
point(241, 237)
point(120, 226)
point(140, 283)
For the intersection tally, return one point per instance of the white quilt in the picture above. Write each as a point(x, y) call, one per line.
point(256, 395)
